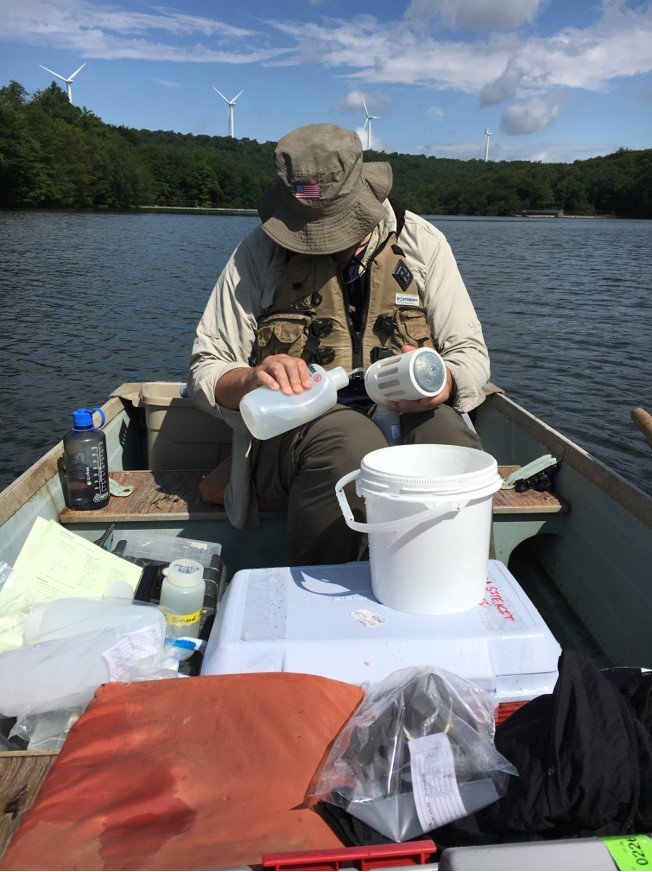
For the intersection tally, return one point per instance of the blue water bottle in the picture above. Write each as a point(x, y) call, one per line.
point(87, 470)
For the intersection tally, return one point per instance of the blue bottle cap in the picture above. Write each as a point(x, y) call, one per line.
point(82, 419)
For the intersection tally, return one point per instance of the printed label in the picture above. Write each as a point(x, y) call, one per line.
point(436, 794)
point(368, 618)
point(182, 620)
point(407, 299)
point(630, 852)
point(133, 647)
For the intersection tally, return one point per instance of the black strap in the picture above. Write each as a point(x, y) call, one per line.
point(399, 213)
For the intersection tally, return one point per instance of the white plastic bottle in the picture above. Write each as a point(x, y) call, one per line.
point(59, 619)
point(269, 413)
point(182, 597)
point(389, 423)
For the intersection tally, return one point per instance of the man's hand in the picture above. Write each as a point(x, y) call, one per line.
point(425, 403)
point(278, 372)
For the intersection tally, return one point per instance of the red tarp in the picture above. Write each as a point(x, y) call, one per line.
point(188, 773)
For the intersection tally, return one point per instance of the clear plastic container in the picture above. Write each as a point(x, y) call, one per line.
point(269, 413)
point(182, 597)
point(87, 471)
point(58, 619)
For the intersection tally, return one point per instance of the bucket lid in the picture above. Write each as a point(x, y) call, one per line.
point(415, 471)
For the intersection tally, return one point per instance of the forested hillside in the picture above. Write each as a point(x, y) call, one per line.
point(55, 155)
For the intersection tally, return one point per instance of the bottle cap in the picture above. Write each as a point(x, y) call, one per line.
point(82, 419)
point(338, 377)
point(185, 573)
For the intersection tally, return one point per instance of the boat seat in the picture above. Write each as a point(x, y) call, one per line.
point(174, 495)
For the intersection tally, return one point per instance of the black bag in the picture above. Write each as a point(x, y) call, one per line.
point(584, 758)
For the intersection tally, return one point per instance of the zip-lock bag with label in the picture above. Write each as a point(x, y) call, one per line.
point(416, 754)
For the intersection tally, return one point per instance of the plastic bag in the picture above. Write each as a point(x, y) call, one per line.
point(46, 731)
point(14, 606)
point(416, 754)
point(64, 673)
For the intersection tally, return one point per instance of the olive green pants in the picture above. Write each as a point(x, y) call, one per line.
point(298, 471)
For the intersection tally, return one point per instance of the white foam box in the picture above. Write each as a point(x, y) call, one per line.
point(324, 620)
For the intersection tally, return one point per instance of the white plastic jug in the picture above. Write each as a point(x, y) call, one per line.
point(429, 510)
point(269, 413)
point(59, 619)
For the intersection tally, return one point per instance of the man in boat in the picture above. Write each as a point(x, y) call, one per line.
point(340, 275)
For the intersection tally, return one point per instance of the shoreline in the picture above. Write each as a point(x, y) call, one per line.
point(196, 210)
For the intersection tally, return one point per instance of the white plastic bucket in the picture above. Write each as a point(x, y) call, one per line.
point(429, 524)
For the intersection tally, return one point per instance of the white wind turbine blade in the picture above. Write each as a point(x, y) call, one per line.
point(72, 75)
point(366, 111)
point(221, 94)
point(63, 79)
point(236, 97)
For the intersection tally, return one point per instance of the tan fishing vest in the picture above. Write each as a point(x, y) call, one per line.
point(309, 316)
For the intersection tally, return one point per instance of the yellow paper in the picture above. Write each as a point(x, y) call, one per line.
point(55, 563)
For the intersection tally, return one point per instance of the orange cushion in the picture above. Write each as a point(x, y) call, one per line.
point(195, 773)
point(213, 485)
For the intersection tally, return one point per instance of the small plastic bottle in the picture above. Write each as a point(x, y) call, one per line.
point(389, 423)
point(269, 413)
point(87, 470)
point(182, 597)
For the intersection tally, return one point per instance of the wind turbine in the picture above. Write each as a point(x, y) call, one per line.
point(487, 134)
point(367, 123)
point(68, 80)
point(231, 105)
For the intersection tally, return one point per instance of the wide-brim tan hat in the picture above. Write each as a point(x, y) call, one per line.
point(327, 199)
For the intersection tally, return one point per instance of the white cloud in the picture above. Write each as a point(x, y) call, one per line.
point(459, 150)
point(505, 86)
point(532, 115)
point(435, 112)
point(376, 144)
point(497, 66)
point(565, 152)
point(394, 54)
point(166, 84)
point(474, 14)
point(110, 31)
point(352, 102)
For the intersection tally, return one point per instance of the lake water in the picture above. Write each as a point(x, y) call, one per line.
point(88, 301)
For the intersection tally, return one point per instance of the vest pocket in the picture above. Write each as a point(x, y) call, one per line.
point(412, 327)
point(281, 333)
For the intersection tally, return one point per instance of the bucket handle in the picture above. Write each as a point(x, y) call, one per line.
point(389, 526)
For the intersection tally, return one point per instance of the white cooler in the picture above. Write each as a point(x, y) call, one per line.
point(324, 620)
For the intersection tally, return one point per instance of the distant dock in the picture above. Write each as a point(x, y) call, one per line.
point(542, 213)
point(196, 210)
point(554, 213)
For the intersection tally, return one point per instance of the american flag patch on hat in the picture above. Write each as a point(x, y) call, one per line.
point(307, 192)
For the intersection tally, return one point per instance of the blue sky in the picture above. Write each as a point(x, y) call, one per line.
point(551, 79)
